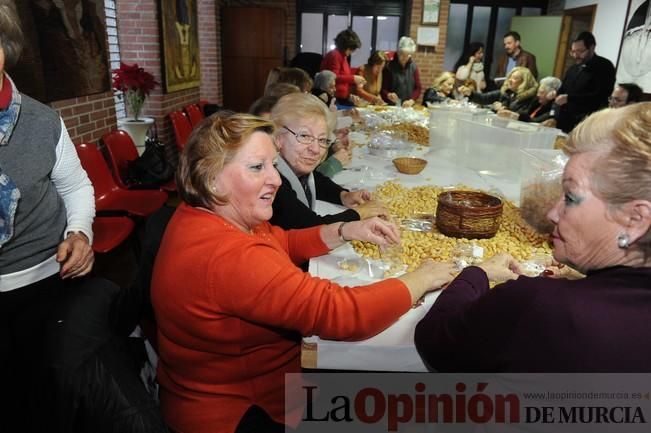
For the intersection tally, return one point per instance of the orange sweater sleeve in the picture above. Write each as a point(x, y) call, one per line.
point(302, 244)
point(259, 284)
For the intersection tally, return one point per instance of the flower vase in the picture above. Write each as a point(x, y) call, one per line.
point(137, 129)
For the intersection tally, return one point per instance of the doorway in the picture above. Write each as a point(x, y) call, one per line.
point(253, 44)
point(575, 21)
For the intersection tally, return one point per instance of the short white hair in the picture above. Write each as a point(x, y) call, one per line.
point(550, 83)
point(323, 79)
point(407, 45)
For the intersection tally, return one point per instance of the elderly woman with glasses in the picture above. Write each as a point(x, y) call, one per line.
point(304, 128)
point(230, 301)
point(602, 224)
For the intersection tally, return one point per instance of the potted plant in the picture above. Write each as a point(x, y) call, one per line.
point(135, 84)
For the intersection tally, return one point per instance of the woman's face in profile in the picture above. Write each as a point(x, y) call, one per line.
point(303, 157)
point(515, 79)
point(447, 86)
point(585, 234)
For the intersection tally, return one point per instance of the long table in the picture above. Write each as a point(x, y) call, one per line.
point(393, 349)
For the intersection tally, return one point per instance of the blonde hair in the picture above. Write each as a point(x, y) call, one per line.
point(623, 173)
point(528, 81)
point(300, 106)
point(445, 76)
point(212, 145)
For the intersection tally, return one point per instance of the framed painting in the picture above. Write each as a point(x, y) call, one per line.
point(634, 61)
point(180, 44)
point(431, 11)
point(65, 54)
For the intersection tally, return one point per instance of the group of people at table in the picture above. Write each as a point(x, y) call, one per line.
point(232, 301)
point(585, 88)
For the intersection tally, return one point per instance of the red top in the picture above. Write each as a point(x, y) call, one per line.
point(5, 93)
point(337, 62)
point(230, 308)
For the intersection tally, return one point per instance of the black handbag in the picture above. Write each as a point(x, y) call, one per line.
point(151, 169)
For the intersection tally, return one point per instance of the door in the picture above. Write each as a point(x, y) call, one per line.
point(545, 48)
point(253, 43)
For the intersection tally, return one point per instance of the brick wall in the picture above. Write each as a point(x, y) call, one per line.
point(210, 50)
point(429, 59)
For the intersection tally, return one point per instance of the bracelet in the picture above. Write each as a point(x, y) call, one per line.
point(340, 232)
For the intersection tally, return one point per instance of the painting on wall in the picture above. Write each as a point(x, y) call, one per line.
point(180, 45)
point(66, 49)
point(431, 11)
point(634, 64)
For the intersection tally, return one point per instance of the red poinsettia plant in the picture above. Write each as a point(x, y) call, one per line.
point(135, 84)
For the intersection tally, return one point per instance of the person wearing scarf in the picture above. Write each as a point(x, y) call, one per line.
point(303, 135)
point(46, 214)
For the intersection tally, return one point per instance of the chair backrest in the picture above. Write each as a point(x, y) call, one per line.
point(182, 128)
point(121, 150)
point(202, 105)
point(95, 165)
point(309, 62)
point(194, 114)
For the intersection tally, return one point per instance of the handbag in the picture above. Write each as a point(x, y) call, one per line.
point(151, 169)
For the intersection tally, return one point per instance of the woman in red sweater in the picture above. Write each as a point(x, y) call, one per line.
point(346, 42)
point(230, 302)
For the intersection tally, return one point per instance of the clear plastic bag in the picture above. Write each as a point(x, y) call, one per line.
point(541, 186)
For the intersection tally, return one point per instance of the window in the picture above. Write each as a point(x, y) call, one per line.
point(474, 21)
point(378, 23)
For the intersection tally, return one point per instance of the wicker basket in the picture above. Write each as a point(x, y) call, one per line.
point(408, 165)
point(468, 214)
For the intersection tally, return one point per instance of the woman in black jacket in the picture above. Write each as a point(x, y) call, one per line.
point(517, 92)
point(304, 126)
point(541, 109)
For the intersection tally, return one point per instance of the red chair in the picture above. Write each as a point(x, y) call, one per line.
point(121, 150)
point(194, 114)
point(182, 128)
point(202, 106)
point(108, 195)
point(110, 231)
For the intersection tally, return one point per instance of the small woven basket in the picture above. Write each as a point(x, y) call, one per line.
point(408, 165)
point(468, 214)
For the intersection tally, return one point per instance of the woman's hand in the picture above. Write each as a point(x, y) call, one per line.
point(502, 267)
point(507, 114)
point(378, 101)
point(408, 103)
point(354, 198)
point(343, 156)
point(370, 209)
point(375, 230)
point(465, 90)
point(393, 97)
point(430, 275)
point(551, 123)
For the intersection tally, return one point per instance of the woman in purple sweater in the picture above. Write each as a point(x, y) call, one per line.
point(599, 323)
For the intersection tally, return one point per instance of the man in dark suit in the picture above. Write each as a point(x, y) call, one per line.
point(587, 84)
point(514, 56)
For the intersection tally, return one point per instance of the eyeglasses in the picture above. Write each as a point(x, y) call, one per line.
point(309, 139)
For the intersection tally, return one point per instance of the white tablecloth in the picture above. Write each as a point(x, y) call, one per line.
point(393, 349)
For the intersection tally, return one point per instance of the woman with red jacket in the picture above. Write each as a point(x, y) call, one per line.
point(346, 42)
point(230, 302)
